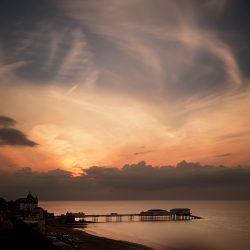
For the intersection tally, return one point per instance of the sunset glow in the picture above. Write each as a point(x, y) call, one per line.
point(125, 124)
point(124, 84)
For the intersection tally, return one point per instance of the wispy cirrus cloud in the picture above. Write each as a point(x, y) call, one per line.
point(53, 54)
point(77, 62)
point(176, 53)
point(109, 76)
point(6, 69)
point(224, 155)
point(231, 136)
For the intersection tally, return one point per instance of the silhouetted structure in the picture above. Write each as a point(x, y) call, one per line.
point(28, 203)
point(176, 214)
point(180, 211)
point(155, 212)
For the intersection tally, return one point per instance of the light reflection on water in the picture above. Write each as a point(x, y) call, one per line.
point(226, 224)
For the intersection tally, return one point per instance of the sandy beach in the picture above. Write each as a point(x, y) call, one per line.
point(69, 238)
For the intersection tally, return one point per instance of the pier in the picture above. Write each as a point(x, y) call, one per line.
point(151, 215)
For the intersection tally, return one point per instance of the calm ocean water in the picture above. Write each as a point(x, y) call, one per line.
point(226, 224)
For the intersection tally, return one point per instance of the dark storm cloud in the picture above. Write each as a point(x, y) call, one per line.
point(136, 181)
point(14, 137)
point(11, 136)
point(6, 121)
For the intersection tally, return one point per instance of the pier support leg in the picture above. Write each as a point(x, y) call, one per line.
point(131, 218)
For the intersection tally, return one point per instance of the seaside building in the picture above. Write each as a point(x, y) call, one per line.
point(155, 212)
point(38, 212)
point(180, 211)
point(27, 204)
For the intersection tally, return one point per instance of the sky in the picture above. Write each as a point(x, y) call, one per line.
point(107, 83)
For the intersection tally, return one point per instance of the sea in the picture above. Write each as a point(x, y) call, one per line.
point(225, 224)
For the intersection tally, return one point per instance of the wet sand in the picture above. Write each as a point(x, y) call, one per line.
point(69, 238)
